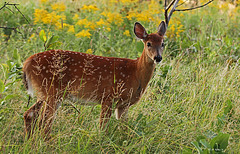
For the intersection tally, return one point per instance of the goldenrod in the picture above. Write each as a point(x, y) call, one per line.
point(89, 8)
point(126, 32)
point(58, 7)
point(84, 33)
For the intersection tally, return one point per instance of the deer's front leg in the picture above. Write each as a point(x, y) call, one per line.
point(106, 113)
point(48, 116)
point(31, 117)
point(121, 113)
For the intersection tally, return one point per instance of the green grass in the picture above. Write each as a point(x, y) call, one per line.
point(194, 92)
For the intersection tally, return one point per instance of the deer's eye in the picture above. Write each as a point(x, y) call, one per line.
point(163, 45)
point(149, 44)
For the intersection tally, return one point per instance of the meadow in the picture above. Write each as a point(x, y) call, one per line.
point(191, 105)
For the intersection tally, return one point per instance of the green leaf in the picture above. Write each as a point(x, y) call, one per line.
point(206, 151)
point(140, 46)
point(5, 70)
point(205, 143)
point(54, 45)
point(228, 108)
point(220, 142)
point(43, 36)
point(200, 138)
point(10, 96)
point(2, 86)
point(16, 56)
point(186, 151)
point(49, 34)
point(195, 143)
point(52, 42)
point(48, 43)
point(54, 38)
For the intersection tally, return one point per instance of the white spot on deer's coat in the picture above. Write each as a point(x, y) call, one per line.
point(30, 114)
point(59, 104)
point(30, 88)
point(116, 113)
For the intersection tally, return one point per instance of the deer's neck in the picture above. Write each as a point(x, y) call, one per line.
point(145, 68)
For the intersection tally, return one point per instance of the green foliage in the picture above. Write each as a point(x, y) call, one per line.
point(50, 40)
point(217, 145)
point(191, 103)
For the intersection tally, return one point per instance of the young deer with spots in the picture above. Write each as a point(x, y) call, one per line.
point(57, 74)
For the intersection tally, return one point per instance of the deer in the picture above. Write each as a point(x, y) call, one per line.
point(58, 74)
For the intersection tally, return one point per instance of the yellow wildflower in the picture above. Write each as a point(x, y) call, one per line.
point(154, 8)
point(39, 14)
point(71, 29)
point(81, 22)
point(43, 1)
point(180, 28)
point(126, 32)
point(113, 17)
point(113, 1)
point(131, 15)
point(224, 6)
point(237, 2)
point(172, 28)
point(58, 7)
point(53, 18)
point(128, 1)
point(32, 37)
point(75, 16)
point(86, 24)
point(144, 16)
point(89, 8)
point(84, 33)
point(101, 22)
point(108, 29)
point(89, 51)
point(60, 25)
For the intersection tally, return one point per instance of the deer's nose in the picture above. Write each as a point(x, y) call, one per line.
point(158, 58)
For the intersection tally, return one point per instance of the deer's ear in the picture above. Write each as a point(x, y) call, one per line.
point(162, 28)
point(140, 31)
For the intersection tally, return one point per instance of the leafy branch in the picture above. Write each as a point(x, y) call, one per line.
point(197, 7)
point(5, 6)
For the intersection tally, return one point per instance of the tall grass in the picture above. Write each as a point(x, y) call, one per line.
point(195, 90)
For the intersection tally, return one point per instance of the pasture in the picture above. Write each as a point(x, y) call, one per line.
point(191, 104)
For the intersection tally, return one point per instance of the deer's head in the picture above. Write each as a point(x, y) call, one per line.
point(153, 43)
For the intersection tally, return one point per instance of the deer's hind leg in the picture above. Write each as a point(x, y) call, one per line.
point(31, 117)
point(42, 115)
point(48, 116)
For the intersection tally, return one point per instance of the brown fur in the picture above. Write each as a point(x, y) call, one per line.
point(58, 74)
